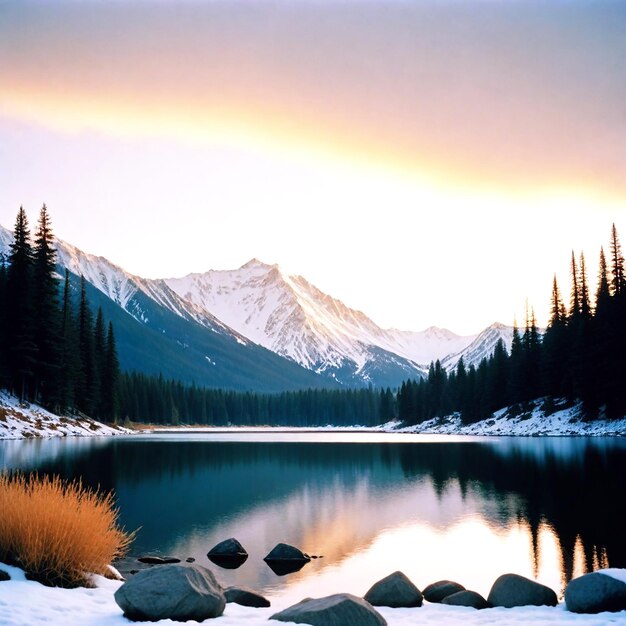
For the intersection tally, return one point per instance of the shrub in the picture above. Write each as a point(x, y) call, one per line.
point(58, 531)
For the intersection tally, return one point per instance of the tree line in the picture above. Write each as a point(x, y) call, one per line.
point(163, 401)
point(52, 350)
point(580, 356)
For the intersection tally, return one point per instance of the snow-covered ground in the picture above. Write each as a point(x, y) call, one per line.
point(565, 421)
point(27, 603)
point(19, 420)
point(23, 420)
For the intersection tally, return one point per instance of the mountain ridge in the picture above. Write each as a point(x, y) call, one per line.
point(259, 306)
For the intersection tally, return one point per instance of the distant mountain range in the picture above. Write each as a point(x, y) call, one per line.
point(257, 328)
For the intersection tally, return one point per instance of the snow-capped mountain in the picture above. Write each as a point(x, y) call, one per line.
point(159, 332)
point(293, 318)
point(262, 315)
point(482, 346)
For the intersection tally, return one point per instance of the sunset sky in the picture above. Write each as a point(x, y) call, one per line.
point(430, 162)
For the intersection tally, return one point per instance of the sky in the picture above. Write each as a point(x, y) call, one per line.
point(429, 162)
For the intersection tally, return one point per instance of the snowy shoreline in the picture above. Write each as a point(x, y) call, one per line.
point(28, 603)
point(24, 420)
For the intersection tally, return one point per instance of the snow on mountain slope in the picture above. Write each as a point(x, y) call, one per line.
point(121, 286)
point(292, 317)
point(482, 346)
point(430, 344)
point(289, 316)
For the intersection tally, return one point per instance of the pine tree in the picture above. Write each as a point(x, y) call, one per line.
point(21, 346)
point(516, 375)
point(618, 280)
point(555, 346)
point(69, 364)
point(575, 293)
point(85, 388)
point(99, 352)
point(46, 321)
point(616, 358)
point(110, 378)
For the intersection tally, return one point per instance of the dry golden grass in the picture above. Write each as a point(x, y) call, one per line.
point(58, 531)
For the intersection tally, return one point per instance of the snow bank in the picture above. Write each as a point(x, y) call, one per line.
point(27, 603)
point(533, 422)
point(20, 420)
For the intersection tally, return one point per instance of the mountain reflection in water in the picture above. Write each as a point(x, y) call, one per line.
point(434, 507)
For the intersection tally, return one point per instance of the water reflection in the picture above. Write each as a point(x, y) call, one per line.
point(435, 508)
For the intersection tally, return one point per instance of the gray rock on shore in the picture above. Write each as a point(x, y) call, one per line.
point(396, 591)
point(176, 592)
point(436, 592)
point(511, 590)
point(466, 598)
point(245, 597)
point(342, 609)
point(594, 593)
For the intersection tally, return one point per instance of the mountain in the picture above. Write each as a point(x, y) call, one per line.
point(293, 318)
point(482, 346)
point(158, 332)
point(257, 328)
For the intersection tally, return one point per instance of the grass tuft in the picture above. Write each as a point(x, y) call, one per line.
point(58, 531)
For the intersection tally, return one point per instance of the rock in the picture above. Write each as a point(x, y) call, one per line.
point(4, 575)
point(158, 560)
point(594, 593)
point(511, 590)
point(396, 591)
point(342, 609)
point(282, 568)
point(285, 552)
point(229, 554)
point(245, 597)
point(466, 598)
point(190, 560)
point(228, 547)
point(441, 589)
point(177, 592)
point(285, 559)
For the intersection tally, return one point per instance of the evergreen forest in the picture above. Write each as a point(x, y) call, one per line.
point(56, 352)
point(581, 355)
point(53, 351)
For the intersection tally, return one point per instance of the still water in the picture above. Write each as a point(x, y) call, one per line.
point(467, 509)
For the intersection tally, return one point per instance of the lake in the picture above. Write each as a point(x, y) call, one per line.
point(463, 508)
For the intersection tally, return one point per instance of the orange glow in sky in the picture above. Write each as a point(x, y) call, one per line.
point(424, 163)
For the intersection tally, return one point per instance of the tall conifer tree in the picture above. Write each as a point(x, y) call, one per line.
point(21, 346)
point(46, 320)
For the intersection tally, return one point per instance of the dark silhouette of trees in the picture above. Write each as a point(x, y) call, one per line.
point(581, 356)
point(50, 354)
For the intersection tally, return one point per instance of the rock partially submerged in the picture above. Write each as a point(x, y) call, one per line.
point(4, 576)
point(436, 592)
point(176, 592)
point(342, 609)
point(229, 554)
point(245, 597)
point(396, 591)
point(466, 598)
point(158, 560)
point(511, 590)
point(594, 593)
point(285, 559)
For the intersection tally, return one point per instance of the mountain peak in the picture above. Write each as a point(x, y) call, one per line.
point(256, 263)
